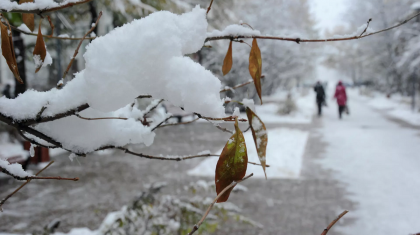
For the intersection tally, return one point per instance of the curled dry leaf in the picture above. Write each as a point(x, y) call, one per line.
point(8, 51)
point(39, 51)
point(255, 66)
point(232, 163)
point(27, 18)
point(228, 61)
point(259, 133)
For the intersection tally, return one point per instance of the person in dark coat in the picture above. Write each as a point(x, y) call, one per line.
point(6, 91)
point(341, 96)
point(320, 96)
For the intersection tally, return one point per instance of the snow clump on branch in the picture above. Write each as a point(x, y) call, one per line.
point(146, 57)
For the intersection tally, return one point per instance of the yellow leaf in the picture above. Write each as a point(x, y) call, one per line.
point(39, 51)
point(255, 66)
point(27, 18)
point(8, 51)
point(227, 63)
point(232, 163)
point(259, 133)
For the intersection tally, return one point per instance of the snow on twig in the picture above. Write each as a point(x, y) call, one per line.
point(237, 35)
point(38, 7)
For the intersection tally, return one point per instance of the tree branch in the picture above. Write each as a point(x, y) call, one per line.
point(333, 222)
point(36, 177)
point(164, 158)
point(367, 26)
point(240, 85)
point(49, 36)
point(179, 123)
point(102, 118)
point(299, 40)
point(226, 119)
point(80, 43)
point(195, 228)
point(208, 9)
point(42, 11)
point(10, 195)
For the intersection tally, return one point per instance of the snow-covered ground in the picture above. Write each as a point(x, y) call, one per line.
point(378, 161)
point(396, 106)
point(285, 149)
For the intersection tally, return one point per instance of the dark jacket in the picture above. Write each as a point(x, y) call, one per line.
point(320, 93)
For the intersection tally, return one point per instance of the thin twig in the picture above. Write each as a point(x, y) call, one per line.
point(49, 36)
point(240, 85)
point(165, 158)
point(298, 40)
point(333, 222)
point(10, 195)
point(247, 25)
point(220, 128)
point(160, 124)
point(42, 11)
point(80, 43)
point(367, 26)
point(153, 108)
point(36, 177)
point(208, 9)
point(226, 119)
point(257, 164)
point(233, 184)
point(102, 118)
point(179, 123)
point(33, 141)
point(51, 25)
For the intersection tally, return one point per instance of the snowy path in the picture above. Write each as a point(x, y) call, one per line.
point(379, 161)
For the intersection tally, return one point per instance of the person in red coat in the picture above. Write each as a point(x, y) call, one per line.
point(341, 96)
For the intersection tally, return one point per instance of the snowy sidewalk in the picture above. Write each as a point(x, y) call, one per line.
point(379, 162)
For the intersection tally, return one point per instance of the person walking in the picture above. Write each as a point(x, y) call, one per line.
point(320, 96)
point(341, 96)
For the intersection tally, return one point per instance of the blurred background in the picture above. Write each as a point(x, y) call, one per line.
point(367, 162)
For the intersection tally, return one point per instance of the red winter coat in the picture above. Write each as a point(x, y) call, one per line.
point(340, 94)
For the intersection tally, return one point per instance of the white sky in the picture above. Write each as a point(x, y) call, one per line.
point(328, 13)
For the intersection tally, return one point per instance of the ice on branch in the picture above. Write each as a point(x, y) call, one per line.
point(234, 30)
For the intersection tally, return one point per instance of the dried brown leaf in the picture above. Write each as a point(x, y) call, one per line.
point(255, 66)
point(8, 51)
point(28, 19)
point(259, 133)
point(228, 61)
point(39, 51)
point(232, 163)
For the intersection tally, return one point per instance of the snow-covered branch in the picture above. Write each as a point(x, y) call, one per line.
point(28, 32)
point(227, 35)
point(38, 7)
point(7, 172)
